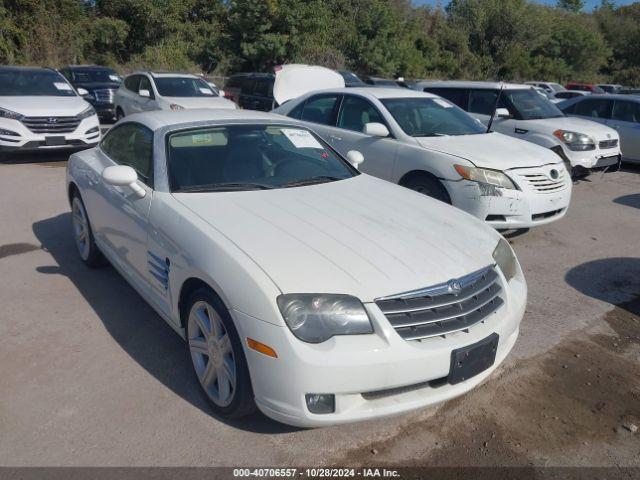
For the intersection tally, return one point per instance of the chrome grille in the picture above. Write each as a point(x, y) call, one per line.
point(104, 95)
point(51, 124)
point(604, 144)
point(437, 311)
point(542, 181)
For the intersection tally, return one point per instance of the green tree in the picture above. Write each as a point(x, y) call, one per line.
point(571, 5)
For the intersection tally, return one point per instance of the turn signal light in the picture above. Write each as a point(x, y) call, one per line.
point(261, 347)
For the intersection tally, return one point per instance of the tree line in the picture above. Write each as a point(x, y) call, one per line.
point(465, 39)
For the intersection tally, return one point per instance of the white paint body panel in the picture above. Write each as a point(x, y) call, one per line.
point(360, 236)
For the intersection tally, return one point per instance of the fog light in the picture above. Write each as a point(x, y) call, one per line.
point(92, 130)
point(9, 133)
point(321, 402)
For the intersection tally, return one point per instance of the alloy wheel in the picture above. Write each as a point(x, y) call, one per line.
point(80, 228)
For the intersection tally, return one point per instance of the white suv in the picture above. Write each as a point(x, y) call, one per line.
point(145, 91)
point(40, 110)
point(522, 113)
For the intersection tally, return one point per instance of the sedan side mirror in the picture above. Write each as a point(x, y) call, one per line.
point(355, 158)
point(375, 129)
point(502, 113)
point(123, 176)
point(144, 93)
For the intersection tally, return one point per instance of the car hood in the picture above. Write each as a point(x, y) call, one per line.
point(491, 150)
point(294, 80)
point(201, 102)
point(579, 125)
point(362, 236)
point(44, 106)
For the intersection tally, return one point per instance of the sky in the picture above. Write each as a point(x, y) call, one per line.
point(589, 4)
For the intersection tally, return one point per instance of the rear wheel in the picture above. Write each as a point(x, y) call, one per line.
point(217, 356)
point(83, 235)
point(427, 185)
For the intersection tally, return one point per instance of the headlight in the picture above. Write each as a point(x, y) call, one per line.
point(314, 318)
point(89, 112)
point(575, 141)
point(505, 259)
point(175, 106)
point(483, 175)
point(9, 114)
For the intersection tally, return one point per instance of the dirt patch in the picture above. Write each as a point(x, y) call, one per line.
point(566, 407)
point(16, 249)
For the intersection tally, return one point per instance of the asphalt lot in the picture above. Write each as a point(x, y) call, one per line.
point(90, 375)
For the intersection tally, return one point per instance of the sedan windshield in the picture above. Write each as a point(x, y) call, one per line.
point(96, 76)
point(529, 105)
point(431, 117)
point(14, 82)
point(184, 87)
point(251, 157)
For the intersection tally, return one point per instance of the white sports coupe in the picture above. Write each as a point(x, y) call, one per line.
point(301, 286)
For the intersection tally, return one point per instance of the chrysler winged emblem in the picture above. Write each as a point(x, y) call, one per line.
point(454, 287)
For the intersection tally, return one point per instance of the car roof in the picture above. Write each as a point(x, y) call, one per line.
point(614, 96)
point(157, 119)
point(472, 84)
point(377, 92)
point(11, 68)
point(89, 67)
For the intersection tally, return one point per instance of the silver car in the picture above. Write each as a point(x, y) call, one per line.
point(621, 112)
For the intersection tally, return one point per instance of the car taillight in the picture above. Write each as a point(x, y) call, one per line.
point(229, 96)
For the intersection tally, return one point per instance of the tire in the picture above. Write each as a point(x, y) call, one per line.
point(216, 354)
point(89, 252)
point(119, 114)
point(427, 185)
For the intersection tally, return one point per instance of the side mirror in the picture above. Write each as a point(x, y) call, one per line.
point(375, 129)
point(123, 176)
point(355, 158)
point(144, 93)
point(83, 92)
point(502, 113)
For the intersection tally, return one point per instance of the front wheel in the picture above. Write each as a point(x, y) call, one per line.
point(217, 356)
point(83, 234)
point(429, 186)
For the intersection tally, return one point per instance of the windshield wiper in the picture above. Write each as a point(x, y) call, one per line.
point(310, 181)
point(224, 187)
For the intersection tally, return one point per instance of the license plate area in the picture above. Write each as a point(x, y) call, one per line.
point(469, 361)
point(55, 140)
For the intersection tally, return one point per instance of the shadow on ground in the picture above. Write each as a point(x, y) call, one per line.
point(132, 323)
point(612, 280)
point(632, 200)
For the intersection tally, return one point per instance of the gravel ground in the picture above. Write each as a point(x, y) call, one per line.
point(90, 375)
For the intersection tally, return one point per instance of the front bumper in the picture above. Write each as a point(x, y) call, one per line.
point(87, 134)
point(598, 158)
point(371, 376)
point(509, 209)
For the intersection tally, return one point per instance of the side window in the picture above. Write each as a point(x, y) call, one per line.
point(355, 112)
point(593, 107)
point(457, 96)
point(320, 109)
point(262, 87)
point(482, 101)
point(131, 144)
point(297, 111)
point(248, 86)
point(131, 83)
point(626, 111)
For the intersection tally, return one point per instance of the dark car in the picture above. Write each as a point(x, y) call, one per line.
point(96, 84)
point(253, 91)
point(351, 79)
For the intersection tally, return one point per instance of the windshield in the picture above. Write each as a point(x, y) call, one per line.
point(251, 157)
point(183, 87)
point(530, 105)
point(96, 76)
point(34, 83)
point(429, 117)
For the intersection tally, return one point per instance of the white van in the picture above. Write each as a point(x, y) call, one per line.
point(40, 110)
point(524, 114)
point(426, 143)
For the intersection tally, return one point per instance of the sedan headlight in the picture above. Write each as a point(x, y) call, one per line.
point(314, 318)
point(575, 141)
point(175, 106)
point(484, 175)
point(4, 113)
point(505, 259)
point(88, 112)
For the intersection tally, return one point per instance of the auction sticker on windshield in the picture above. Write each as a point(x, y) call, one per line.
point(301, 138)
point(442, 103)
point(62, 86)
point(206, 91)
